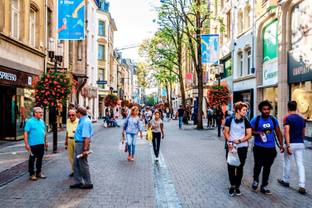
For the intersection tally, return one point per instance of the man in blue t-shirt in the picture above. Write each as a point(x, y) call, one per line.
point(83, 134)
point(294, 131)
point(35, 140)
point(264, 127)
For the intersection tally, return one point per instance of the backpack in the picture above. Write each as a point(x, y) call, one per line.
point(274, 125)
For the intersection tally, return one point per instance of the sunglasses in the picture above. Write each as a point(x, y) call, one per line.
point(71, 114)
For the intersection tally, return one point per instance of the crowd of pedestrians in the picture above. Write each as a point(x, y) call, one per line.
point(238, 131)
point(267, 135)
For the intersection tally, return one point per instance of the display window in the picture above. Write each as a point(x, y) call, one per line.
point(302, 94)
point(271, 95)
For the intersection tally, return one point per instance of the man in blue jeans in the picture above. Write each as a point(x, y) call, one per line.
point(35, 139)
point(180, 116)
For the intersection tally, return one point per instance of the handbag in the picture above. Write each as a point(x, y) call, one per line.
point(149, 134)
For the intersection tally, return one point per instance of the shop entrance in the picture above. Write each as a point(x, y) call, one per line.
point(8, 112)
point(246, 96)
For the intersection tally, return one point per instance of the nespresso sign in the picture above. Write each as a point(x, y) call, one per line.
point(16, 78)
point(7, 76)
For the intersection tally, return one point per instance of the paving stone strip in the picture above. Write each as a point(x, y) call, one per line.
point(166, 195)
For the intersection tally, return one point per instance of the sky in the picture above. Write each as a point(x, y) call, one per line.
point(134, 21)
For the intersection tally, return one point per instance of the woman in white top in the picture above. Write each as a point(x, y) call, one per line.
point(158, 132)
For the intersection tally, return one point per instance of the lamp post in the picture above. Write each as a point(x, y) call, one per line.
point(56, 56)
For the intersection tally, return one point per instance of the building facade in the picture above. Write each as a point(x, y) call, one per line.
point(22, 61)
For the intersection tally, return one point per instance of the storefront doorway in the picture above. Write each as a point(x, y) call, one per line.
point(8, 112)
point(246, 96)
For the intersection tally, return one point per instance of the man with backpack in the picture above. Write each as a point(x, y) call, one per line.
point(294, 128)
point(237, 132)
point(265, 130)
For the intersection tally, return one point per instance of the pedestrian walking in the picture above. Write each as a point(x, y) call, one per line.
point(210, 117)
point(157, 126)
point(294, 132)
point(265, 127)
point(180, 116)
point(83, 135)
point(35, 139)
point(219, 118)
point(131, 128)
point(237, 132)
point(71, 126)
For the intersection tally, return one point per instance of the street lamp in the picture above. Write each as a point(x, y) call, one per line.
point(219, 75)
point(55, 55)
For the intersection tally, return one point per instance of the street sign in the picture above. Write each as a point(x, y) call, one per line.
point(101, 82)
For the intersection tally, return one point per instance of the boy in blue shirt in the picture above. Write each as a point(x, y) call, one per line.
point(264, 127)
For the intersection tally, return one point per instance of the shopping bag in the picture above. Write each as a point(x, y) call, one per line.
point(149, 134)
point(233, 159)
point(122, 145)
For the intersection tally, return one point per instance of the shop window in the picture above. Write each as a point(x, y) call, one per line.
point(15, 18)
point(101, 74)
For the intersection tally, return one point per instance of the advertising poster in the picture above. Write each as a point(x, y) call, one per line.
point(210, 49)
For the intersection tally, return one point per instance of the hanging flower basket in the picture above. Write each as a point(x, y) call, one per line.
point(218, 95)
point(111, 100)
point(52, 88)
point(125, 103)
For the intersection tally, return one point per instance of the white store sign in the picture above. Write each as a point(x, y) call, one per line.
point(270, 72)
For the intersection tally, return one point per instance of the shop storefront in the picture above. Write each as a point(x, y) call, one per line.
point(246, 96)
point(16, 102)
point(300, 61)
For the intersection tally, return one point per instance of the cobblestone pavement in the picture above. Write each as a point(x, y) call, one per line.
point(191, 173)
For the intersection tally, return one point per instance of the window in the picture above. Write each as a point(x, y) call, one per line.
point(101, 28)
point(247, 17)
point(240, 22)
point(32, 28)
point(101, 77)
point(50, 24)
point(101, 52)
point(240, 61)
point(249, 61)
point(15, 12)
point(79, 50)
point(228, 24)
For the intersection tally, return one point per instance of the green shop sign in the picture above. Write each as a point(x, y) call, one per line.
point(270, 42)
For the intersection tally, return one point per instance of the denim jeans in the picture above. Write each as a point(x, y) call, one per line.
point(37, 155)
point(131, 139)
point(180, 122)
point(297, 152)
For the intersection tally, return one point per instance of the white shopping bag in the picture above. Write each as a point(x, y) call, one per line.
point(233, 159)
point(122, 146)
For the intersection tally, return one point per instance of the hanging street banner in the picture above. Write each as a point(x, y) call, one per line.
point(71, 19)
point(210, 49)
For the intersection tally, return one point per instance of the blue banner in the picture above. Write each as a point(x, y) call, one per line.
point(210, 49)
point(71, 19)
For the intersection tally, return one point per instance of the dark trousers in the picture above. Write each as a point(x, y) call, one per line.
point(264, 158)
point(37, 152)
point(156, 142)
point(236, 173)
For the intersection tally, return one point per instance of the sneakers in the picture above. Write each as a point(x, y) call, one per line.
point(231, 191)
point(41, 176)
point(129, 158)
point(156, 159)
point(32, 178)
point(87, 186)
point(75, 186)
point(254, 185)
point(283, 183)
point(302, 190)
point(237, 192)
point(265, 190)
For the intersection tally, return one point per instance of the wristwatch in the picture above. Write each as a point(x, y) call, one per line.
point(240, 141)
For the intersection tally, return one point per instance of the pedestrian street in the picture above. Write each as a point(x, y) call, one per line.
point(191, 172)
